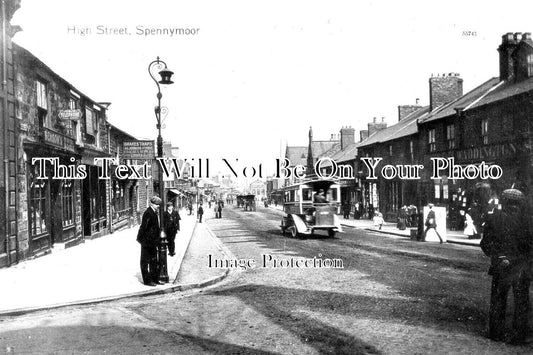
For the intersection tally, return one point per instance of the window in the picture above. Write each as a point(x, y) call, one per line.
point(74, 104)
point(431, 140)
point(67, 201)
point(37, 211)
point(390, 150)
point(41, 95)
point(530, 65)
point(306, 194)
point(332, 195)
point(42, 105)
point(485, 130)
point(90, 122)
point(450, 136)
point(412, 149)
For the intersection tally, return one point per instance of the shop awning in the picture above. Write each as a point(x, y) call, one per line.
point(177, 192)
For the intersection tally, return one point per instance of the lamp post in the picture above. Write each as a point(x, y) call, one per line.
point(166, 76)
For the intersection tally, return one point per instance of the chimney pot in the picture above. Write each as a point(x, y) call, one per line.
point(375, 119)
point(382, 119)
point(526, 36)
point(417, 101)
point(508, 37)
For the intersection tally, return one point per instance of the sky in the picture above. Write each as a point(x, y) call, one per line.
point(257, 74)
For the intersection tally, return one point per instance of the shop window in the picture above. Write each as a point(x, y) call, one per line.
point(431, 140)
point(37, 209)
point(485, 130)
point(67, 201)
point(450, 136)
point(102, 197)
point(530, 65)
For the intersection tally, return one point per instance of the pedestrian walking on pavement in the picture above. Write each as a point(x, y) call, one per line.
point(148, 236)
point(218, 211)
point(508, 242)
point(431, 222)
point(200, 213)
point(469, 227)
point(346, 210)
point(172, 226)
point(378, 219)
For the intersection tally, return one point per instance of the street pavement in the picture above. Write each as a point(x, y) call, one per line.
point(105, 269)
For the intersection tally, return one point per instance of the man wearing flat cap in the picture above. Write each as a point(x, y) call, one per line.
point(148, 236)
point(507, 241)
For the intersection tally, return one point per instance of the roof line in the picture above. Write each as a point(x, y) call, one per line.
point(485, 94)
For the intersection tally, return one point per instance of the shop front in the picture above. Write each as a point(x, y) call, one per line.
point(474, 193)
point(94, 200)
point(53, 202)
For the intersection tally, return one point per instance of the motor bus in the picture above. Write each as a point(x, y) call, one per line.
point(305, 213)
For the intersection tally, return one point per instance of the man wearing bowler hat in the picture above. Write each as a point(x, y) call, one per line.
point(148, 236)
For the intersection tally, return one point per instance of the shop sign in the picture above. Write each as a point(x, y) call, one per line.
point(138, 150)
point(69, 114)
point(58, 140)
point(495, 151)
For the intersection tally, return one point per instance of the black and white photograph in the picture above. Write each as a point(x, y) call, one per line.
point(266, 177)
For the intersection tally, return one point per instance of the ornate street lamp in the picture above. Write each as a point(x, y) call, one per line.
point(166, 76)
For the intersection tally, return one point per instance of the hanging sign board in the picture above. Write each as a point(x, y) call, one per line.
point(69, 114)
point(140, 150)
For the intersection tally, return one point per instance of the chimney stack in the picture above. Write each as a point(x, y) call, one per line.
point(363, 134)
point(406, 110)
point(374, 126)
point(347, 136)
point(443, 89)
point(506, 49)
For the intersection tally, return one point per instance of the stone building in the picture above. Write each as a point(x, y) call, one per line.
point(58, 205)
point(9, 247)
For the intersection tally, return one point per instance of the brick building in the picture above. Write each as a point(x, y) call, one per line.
point(489, 125)
point(395, 145)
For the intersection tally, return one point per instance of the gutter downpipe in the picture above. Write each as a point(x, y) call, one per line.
point(6, 135)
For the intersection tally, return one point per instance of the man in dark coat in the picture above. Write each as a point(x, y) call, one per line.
point(431, 222)
point(200, 213)
point(508, 242)
point(346, 210)
point(218, 210)
point(148, 236)
point(172, 226)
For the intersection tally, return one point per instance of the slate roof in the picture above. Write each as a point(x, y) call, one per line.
point(464, 102)
point(505, 90)
point(298, 155)
point(344, 155)
point(324, 148)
